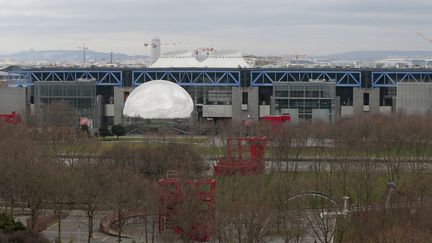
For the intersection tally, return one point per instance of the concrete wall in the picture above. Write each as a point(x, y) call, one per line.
point(358, 102)
point(264, 110)
point(386, 110)
point(109, 110)
point(217, 111)
point(13, 99)
point(293, 113)
point(346, 111)
point(240, 112)
point(321, 115)
point(414, 98)
point(119, 102)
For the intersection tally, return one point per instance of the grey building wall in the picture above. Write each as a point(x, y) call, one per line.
point(238, 111)
point(13, 99)
point(358, 101)
point(414, 98)
point(119, 102)
point(374, 99)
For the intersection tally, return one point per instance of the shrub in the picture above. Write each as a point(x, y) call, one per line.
point(118, 130)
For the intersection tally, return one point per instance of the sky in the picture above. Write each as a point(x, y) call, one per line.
point(261, 27)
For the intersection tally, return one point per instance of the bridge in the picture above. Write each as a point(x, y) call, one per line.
point(270, 77)
point(102, 77)
point(250, 77)
point(203, 77)
point(391, 78)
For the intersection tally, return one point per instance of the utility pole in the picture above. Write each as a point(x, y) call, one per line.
point(84, 48)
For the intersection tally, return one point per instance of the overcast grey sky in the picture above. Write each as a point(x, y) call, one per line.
point(253, 26)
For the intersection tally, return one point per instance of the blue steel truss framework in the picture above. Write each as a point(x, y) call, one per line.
point(189, 77)
point(341, 78)
point(390, 79)
point(114, 78)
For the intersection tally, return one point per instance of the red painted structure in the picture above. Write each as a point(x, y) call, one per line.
point(277, 120)
point(245, 156)
point(175, 196)
point(12, 118)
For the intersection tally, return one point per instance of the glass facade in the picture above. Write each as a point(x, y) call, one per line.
point(305, 100)
point(208, 95)
point(79, 94)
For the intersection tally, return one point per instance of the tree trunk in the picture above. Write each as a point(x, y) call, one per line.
point(153, 229)
point(12, 205)
point(145, 229)
point(59, 218)
point(119, 225)
point(90, 227)
point(34, 219)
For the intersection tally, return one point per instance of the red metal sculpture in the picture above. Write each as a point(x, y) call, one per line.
point(245, 156)
point(177, 196)
point(12, 118)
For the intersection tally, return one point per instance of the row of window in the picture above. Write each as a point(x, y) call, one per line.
point(65, 90)
point(303, 103)
point(303, 93)
point(211, 95)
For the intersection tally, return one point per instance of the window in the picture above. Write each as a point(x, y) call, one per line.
point(245, 98)
point(365, 98)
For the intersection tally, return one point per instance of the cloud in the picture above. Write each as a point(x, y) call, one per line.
point(255, 26)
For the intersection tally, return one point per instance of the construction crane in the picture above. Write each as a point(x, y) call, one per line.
point(424, 37)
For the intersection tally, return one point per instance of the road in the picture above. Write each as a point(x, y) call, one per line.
point(74, 229)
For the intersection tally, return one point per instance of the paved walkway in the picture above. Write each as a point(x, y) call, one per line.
point(75, 229)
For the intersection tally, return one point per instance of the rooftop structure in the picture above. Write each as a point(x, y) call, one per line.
point(177, 59)
point(155, 49)
point(225, 59)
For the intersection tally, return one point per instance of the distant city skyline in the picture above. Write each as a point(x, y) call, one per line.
point(313, 27)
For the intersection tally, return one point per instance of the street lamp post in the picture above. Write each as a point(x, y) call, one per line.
point(391, 187)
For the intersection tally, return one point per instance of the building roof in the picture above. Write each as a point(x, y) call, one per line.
point(226, 59)
point(176, 59)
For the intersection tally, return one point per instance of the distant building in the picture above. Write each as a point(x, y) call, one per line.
point(155, 49)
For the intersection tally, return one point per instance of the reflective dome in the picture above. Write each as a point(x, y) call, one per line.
point(159, 99)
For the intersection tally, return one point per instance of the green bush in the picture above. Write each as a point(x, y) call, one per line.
point(104, 131)
point(7, 223)
point(118, 130)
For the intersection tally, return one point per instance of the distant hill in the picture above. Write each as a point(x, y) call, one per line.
point(67, 56)
point(376, 55)
point(76, 56)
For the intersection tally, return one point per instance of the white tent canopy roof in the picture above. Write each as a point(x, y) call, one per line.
point(225, 59)
point(176, 59)
point(185, 59)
